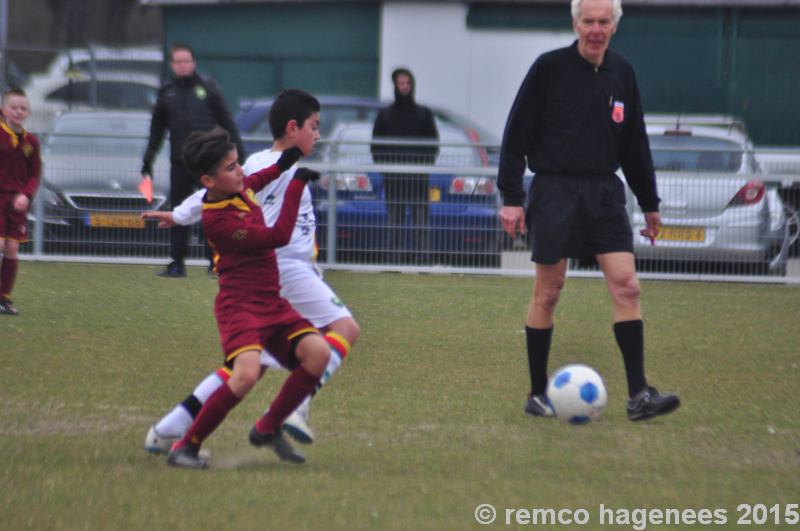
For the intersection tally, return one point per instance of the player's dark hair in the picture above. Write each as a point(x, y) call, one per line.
point(12, 91)
point(204, 151)
point(291, 104)
point(180, 46)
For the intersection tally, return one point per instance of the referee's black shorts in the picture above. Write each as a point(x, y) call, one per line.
point(577, 217)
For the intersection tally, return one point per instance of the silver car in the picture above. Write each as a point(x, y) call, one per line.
point(715, 208)
point(90, 195)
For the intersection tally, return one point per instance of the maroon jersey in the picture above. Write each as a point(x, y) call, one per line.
point(250, 312)
point(244, 247)
point(20, 161)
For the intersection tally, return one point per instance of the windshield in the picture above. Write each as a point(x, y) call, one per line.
point(694, 153)
point(100, 136)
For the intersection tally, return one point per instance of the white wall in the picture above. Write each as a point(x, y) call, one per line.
point(473, 73)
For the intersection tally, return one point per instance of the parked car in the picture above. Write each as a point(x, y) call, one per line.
point(90, 197)
point(101, 77)
point(715, 207)
point(463, 209)
point(253, 122)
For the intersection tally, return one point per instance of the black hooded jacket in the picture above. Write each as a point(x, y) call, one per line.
point(186, 105)
point(405, 119)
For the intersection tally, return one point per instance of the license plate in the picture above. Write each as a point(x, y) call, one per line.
point(434, 194)
point(116, 221)
point(682, 234)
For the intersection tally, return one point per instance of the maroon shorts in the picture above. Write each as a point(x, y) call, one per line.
point(13, 224)
point(253, 321)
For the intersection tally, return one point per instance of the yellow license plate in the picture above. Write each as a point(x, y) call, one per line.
point(682, 234)
point(434, 194)
point(116, 221)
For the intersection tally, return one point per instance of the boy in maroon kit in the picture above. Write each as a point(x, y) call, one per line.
point(20, 168)
point(250, 312)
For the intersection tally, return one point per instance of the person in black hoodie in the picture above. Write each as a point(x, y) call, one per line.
point(188, 103)
point(402, 120)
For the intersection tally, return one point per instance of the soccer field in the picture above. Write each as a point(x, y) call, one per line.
point(422, 424)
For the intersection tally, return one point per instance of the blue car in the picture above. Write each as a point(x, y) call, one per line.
point(464, 229)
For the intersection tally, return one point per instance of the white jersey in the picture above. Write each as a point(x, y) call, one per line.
point(302, 245)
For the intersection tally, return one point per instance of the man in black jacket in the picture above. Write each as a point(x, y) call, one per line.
point(406, 119)
point(190, 102)
point(576, 119)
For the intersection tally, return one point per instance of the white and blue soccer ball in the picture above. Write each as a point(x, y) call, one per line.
point(577, 394)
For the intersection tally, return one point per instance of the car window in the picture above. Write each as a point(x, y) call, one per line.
point(110, 94)
point(694, 153)
point(101, 136)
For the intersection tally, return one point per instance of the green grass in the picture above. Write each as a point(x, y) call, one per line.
point(423, 422)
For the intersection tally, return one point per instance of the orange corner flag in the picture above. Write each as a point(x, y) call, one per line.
point(146, 187)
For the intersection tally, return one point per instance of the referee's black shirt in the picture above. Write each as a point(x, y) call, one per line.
point(570, 118)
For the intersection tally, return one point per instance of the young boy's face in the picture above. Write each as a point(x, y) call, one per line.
point(305, 137)
point(16, 109)
point(228, 179)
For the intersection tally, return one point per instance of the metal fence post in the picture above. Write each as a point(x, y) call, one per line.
point(331, 232)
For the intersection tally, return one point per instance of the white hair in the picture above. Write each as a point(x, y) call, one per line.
point(616, 9)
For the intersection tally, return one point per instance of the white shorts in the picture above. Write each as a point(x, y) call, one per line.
point(302, 285)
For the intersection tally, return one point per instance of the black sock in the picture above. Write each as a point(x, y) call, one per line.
point(538, 341)
point(630, 338)
point(192, 405)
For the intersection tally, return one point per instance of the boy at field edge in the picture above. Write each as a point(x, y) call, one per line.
point(20, 169)
point(251, 314)
point(294, 122)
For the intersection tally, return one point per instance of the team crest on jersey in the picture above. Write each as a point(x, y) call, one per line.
point(618, 112)
point(240, 234)
point(251, 195)
point(200, 92)
point(27, 150)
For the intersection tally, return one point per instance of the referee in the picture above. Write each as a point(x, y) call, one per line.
point(577, 119)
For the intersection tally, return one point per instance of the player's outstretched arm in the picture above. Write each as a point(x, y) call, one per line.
point(165, 219)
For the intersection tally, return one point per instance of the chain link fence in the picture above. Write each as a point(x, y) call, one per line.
point(438, 217)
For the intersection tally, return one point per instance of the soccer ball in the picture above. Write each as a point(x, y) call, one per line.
point(577, 394)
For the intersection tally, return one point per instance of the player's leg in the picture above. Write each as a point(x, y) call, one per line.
point(539, 332)
point(619, 270)
point(246, 372)
point(8, 274)
point(302, 285)
point(312, 354)
point(174, 424)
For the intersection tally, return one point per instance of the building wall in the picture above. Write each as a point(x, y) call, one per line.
point(474, 73)
point(471, 57)
point(255, 50)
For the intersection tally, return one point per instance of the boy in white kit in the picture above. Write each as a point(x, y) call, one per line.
point(301, 282)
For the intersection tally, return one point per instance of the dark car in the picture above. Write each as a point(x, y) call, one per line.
point(464, 230)
point(89, 198)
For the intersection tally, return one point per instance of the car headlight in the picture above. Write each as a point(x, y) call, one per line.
point(51, 198)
